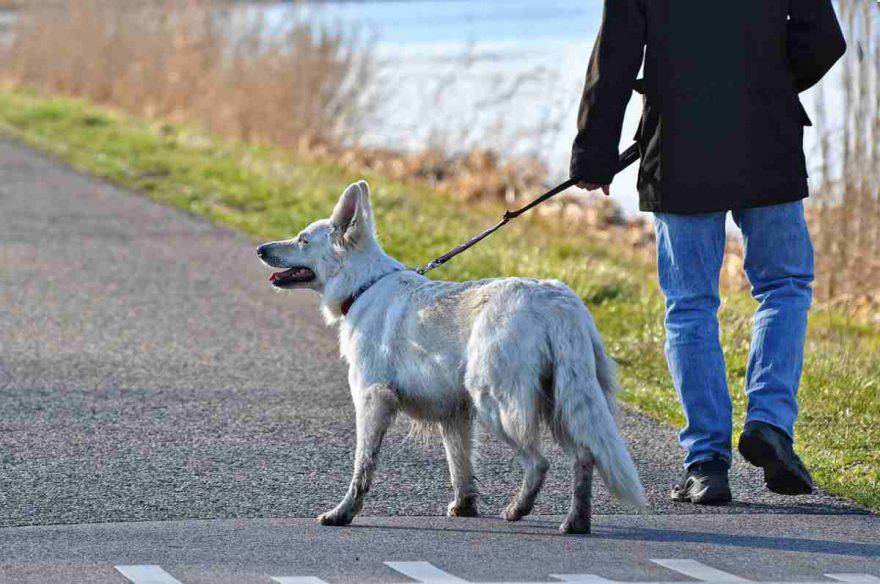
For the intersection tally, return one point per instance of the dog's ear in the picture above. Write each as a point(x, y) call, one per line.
point(353, 216)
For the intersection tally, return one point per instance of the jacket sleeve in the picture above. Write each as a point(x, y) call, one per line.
point(815, 41)
point(614, 65)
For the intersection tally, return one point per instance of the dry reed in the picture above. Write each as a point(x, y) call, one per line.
point(308, 88)
point(845, 210)
point(294, 84)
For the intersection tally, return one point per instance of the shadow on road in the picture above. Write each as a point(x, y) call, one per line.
point(788, 544)
point(548, 528)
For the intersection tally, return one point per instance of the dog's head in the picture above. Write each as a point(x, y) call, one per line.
point(321, 251)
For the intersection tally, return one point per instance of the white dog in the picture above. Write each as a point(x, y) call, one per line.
point(514, 353)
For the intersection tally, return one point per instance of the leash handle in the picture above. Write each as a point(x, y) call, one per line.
point(627, 157)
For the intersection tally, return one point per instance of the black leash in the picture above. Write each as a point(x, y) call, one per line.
point(627, 157)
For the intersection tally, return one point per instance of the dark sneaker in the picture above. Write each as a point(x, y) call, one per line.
point(704, 483)
point(771, 449)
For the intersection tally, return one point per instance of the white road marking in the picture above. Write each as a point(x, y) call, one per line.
point(427, 573)
point(695, 569)
point(147, 575)
point(424, 572)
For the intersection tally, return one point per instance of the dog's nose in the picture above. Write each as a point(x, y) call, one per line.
point(261, 251)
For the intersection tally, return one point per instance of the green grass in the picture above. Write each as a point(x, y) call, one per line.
point(269, 193)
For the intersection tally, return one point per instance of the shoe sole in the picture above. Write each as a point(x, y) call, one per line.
point(781, 478)
point(705, 498)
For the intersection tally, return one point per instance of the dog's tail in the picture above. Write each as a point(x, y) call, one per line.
point(585, 383)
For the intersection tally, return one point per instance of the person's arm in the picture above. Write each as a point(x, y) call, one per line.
point(614, 65)
point(815, 41)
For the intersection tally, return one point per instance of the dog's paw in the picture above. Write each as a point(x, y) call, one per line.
point(513, 512)
point(465, 508)
point(335, 518)
point(575, 526)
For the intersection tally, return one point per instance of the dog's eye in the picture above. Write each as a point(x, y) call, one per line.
point(302, 241)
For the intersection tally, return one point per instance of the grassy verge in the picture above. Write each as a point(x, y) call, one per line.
point(269, 193)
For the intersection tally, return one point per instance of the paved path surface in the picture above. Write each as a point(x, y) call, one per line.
point(148, 373)
point(762, 548)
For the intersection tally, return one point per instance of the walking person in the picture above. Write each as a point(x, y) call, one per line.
point(721, 130)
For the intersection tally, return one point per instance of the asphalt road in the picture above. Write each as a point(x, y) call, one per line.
point(762, 548)
point(148, 373)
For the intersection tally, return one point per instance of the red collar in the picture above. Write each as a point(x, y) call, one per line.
point(348, 302)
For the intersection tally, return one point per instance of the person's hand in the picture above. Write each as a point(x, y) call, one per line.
point(594, 187)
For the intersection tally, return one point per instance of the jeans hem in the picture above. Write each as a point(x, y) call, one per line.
point(773, 423)
point(707, 458)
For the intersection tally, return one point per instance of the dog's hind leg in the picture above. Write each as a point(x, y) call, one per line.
point(458, 441)
point(534, 470)
point(520, 431)
point(578, 519)
point(375, 408)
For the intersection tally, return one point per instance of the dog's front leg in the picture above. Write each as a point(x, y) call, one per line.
point(375, 408)
point(458, 442)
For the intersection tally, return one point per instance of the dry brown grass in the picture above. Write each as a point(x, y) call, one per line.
point(845, 210)
point(193, 60)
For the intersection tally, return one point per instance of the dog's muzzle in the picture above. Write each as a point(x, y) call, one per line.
point(288, 278)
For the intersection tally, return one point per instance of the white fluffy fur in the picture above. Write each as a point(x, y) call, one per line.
point(516, 354)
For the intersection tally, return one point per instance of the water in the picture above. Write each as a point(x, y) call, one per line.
point(500, 73)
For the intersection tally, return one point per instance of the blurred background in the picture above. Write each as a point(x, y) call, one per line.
point(475, 98)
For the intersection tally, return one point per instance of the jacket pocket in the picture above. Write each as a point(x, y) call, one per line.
point(776, 137)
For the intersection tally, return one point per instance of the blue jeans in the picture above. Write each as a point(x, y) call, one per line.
point(779, 264)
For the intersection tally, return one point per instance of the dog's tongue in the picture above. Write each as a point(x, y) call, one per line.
point(296, 274)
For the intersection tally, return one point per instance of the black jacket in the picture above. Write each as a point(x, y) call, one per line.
point(722, 126)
